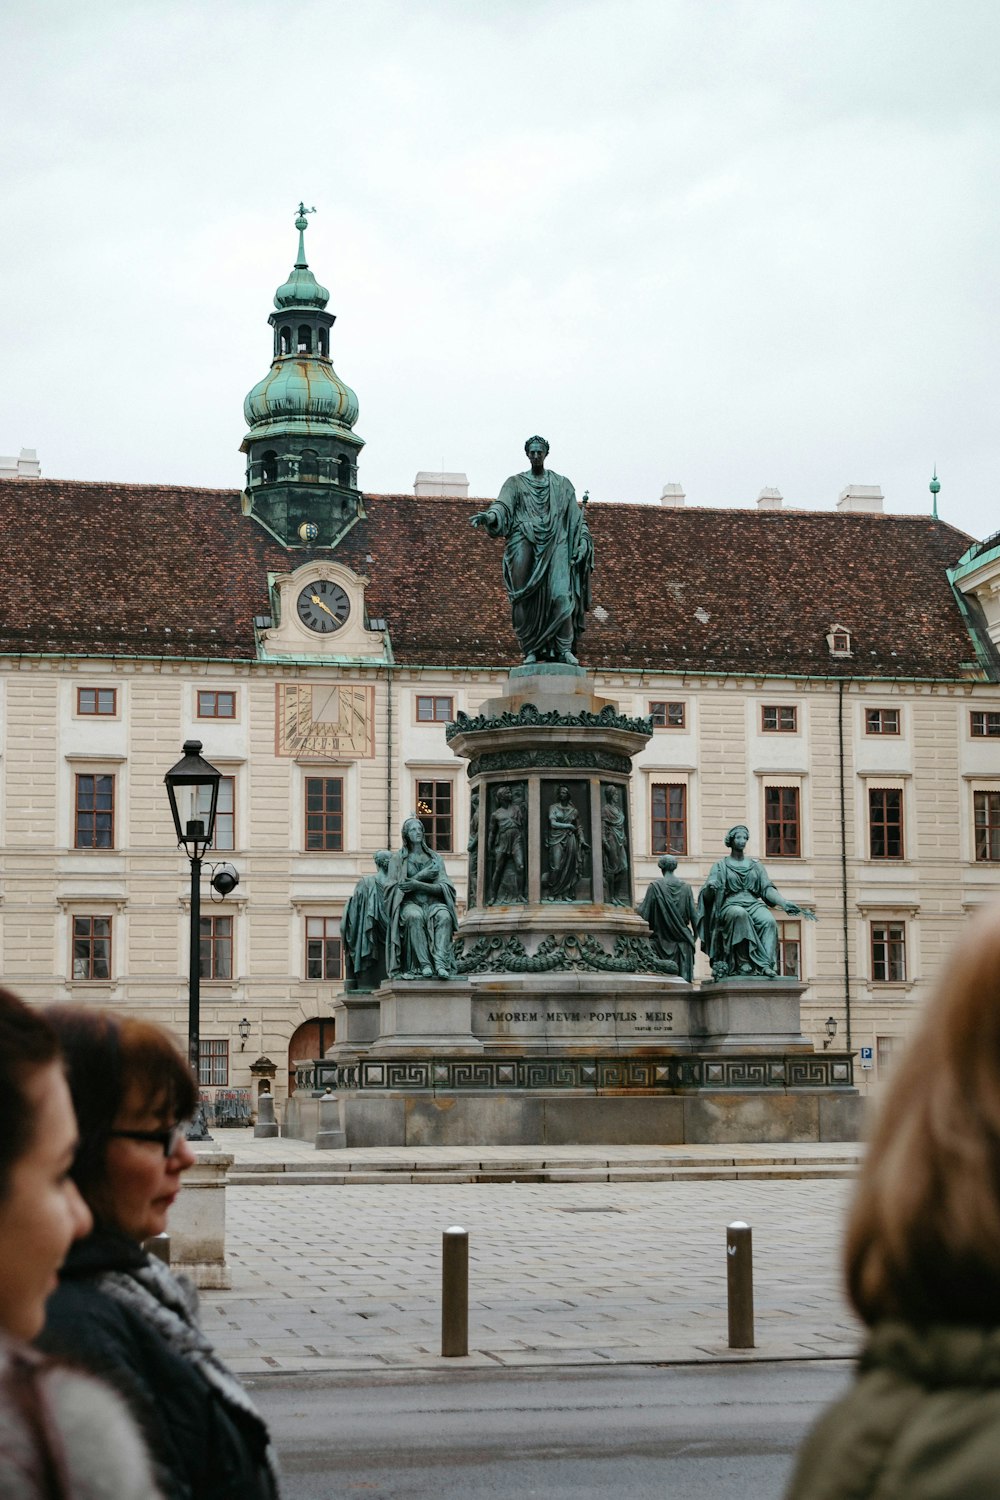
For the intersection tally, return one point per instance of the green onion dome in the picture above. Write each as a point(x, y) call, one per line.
point(299, 389)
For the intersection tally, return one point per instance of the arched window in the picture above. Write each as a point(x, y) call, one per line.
point(324, 343)
point(268, 466)
point(344, 472)
point(305, 339)
point(285, 341)
point(309, 464)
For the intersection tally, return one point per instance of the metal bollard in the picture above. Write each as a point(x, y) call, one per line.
point(739, 1284)
point(454, 1292)
point(158, 1245)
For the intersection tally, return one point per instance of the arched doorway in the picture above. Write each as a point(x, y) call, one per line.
point(311, 1040)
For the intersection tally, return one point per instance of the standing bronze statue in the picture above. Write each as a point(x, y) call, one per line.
point(566, 848)
point(668, 907)
point(505, 851)
point(363, 926)
point(735, 923)
point(614, 849)
point(548, 559)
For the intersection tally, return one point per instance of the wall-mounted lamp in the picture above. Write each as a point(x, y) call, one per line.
point(831, 1031)
point(244, 1030)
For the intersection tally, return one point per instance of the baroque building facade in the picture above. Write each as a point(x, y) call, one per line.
point(831, 679)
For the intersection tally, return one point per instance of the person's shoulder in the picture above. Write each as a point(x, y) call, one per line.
point(106, 1457)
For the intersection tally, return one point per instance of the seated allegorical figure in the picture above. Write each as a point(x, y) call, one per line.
point(737, 929)
point(421, 915)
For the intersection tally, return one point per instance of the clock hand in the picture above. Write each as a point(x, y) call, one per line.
point(325, 607)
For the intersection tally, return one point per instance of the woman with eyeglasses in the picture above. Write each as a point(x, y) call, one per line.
point(62, 1433)
point(119, 1311)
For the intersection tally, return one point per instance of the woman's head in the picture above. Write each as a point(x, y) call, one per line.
point(128, 1081)
point(738, 834)
point(923, 1239)
point(41, 1212)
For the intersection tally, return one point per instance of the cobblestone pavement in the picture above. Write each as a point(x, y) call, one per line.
point(332, 1277)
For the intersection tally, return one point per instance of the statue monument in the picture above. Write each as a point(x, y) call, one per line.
point(506, 850)
point(548, 558)
point(363, 928)
point(420, 910)
point(614, 849)
point(735, 923)
point(668, 906)
point(555, 1010)
point(566, 848)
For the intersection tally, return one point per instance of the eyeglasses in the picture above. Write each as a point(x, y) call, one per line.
point(168, 1139)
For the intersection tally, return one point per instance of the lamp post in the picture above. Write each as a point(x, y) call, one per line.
point(244, 1030)
point(193, 789)
point(831, 1031)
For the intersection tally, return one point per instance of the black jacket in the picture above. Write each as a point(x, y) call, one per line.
point(204, 1447)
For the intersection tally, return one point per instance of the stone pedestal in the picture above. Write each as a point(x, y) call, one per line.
point(329, 1135)
point(266, 1127)
point(197, 1227)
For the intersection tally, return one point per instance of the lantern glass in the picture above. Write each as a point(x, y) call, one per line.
point(193, 789)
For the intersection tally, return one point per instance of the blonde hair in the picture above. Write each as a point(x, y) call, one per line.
point(923, 1237)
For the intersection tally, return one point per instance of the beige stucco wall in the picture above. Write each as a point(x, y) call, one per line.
point(721, 755)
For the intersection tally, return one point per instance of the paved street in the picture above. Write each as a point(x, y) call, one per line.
point(347, 1278)
point(694, 1432)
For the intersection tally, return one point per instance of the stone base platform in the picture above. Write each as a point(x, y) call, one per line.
point(712, 1117)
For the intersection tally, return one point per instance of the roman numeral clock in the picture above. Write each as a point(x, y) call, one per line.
point(323, 606)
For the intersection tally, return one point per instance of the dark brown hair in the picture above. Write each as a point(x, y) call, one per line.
point(923, 1239)
point(27, 1042)
point(107, 1058)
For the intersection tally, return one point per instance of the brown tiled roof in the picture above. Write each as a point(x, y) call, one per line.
point(161, 570)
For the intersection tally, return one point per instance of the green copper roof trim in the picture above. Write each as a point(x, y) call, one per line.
point(972, 559)
point(472, 667)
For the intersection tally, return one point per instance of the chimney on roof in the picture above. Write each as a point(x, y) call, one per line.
point(861, 498)
point(769, 500)
point(672, 494)
point(433, 483)
point(25, 466)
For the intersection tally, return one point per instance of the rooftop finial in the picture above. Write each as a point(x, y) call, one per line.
point(934, 486)
point(301, 224)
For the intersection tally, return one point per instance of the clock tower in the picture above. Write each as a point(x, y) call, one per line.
point(302, 451)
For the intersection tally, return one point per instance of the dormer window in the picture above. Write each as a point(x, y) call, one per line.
point(305, 339)
point(839, 640)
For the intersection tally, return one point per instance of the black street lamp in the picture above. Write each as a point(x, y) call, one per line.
point(193, 788)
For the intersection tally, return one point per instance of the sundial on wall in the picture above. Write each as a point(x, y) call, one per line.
point(325, 720)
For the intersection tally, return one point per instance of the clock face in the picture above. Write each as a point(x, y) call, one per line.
point(323, 606)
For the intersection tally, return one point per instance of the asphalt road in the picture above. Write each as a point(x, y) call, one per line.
point(692, 1432)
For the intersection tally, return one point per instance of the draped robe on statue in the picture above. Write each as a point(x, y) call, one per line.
point(547, 561)
point(422, 917)
point(733, 909)
point(668, 907)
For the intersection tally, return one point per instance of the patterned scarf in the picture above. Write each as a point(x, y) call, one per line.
point(170, 1304)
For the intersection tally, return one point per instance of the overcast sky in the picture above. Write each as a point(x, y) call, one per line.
point(730, 243)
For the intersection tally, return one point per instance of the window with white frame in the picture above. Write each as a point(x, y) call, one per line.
point(668, 713)
point(213, 1062)
point(888, 951)
point(324, 955)
point(790, 949)
point(91, 947)
point(216, 947)
point(668, 817)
